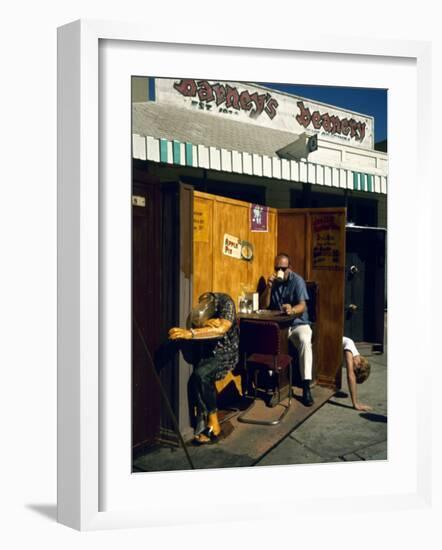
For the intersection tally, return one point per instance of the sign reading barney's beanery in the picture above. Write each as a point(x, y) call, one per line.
point(265, 107)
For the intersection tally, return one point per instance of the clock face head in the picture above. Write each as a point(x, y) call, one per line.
point(247, 251)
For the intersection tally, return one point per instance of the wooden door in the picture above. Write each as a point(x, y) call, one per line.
point(314, 238)
point(355, 285)
point(146, 401)
point(365, 285)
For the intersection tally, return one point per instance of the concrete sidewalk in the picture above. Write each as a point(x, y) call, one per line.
point(337, 432)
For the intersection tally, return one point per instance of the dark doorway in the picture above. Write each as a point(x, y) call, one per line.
point(255, 194)
point(365, 285)
point(146, 402)
point(156, 304)
point(360, 210)
point(160, 257)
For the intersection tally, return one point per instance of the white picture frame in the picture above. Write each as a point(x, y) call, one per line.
point(83, 298)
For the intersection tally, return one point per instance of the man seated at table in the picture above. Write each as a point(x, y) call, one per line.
point(214, 355)
point(287, 291)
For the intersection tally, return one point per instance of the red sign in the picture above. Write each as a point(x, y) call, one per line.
point(229, 96)
point(330, 123)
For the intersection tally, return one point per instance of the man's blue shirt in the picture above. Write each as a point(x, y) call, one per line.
point(292, 291)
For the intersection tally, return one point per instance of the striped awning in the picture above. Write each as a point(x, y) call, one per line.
point(212, 158)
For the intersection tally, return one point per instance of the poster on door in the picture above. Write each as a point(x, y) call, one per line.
point(326, 242)
point(259, 216)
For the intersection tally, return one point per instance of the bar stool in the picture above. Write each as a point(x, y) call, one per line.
point(261, 345)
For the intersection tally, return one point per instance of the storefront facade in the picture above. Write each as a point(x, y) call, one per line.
point(237, 143)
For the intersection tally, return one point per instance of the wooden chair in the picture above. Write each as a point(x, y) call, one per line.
point(313, 302)
point(261, 348)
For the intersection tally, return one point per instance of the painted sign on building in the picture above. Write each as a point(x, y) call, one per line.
point(225, 96)
point(262, 106)
point(330, 124)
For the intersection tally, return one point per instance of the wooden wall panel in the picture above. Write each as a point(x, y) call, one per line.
point(215, 271)
point(264, 243)
point(229, 273)
point(292, 238)
point(202, 245)
point(315, 240)
point(330, 224)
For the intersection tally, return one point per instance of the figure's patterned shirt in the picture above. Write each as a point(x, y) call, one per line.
point(226, 350)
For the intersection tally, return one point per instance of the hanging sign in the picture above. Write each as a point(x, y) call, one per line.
point(231, 246)
point(259, 216)
point(138, 201)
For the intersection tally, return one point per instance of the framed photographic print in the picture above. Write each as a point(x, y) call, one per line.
point(229, 180)
point(222, 228)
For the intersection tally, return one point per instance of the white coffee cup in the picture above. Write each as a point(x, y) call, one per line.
point(280, 274)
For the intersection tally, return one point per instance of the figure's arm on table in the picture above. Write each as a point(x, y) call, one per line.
point(212, 328)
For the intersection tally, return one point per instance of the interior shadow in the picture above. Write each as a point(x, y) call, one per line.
point(261, 286)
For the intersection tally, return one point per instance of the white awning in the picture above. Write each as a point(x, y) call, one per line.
point(179, 153)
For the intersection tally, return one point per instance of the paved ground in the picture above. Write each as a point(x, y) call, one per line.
point(334, 433)
point(337, 432)
point(242, 444)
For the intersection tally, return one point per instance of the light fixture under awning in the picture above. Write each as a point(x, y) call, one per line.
point(300, 148)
